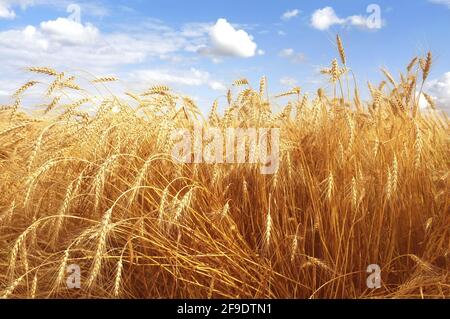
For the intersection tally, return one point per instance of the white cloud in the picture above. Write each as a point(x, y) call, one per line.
point(6, 12)
point(190, 77)
point(195, 29)
point(70, 32)
point(225, 40)
point(358, 21)
point(290, 14)
point(217, 86)
point(286, 52)
point(7, 6)
point(439, 89)
point(443, 2)
point(74, 48)
point(128, 52)
point(323, 19)
point(288, 81)
point(66, 44)
point(16, 43)
point(423, 104)
point(294, 57)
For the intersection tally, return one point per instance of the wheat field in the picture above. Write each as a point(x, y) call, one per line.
point(359, 183)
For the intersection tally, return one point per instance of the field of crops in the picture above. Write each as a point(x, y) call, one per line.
point(359, 183)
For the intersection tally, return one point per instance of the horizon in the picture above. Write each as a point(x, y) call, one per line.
point(200, 48)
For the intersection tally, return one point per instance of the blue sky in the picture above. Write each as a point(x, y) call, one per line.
point(199, 47)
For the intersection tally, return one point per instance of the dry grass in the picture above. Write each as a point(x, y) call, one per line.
point(359, 184)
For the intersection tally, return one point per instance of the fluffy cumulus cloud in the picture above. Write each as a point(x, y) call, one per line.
point(67, 45)
point(5, 11)
point(323, 19)
point(288, 15)
point(291, 55)
point(68, 31)
point(439, 89)
point(226, 41)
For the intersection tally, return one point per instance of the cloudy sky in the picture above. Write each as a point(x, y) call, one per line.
point(199, 46)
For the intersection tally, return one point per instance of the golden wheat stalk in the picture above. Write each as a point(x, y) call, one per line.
point(62, 268)
point(418, 145)
point(354, 193)
point(430, 100)
point(34, 286)
point(55, 83)
point(330, 186)
point(427, 66)
point(341, 50)
point(52, 104)
point(25, 87)
point(118, 278)
point(241, 82)
point(140, 179)
point(262, 87)
point(157, 90)
point(269, 226)
point(225, 209)
point(105, 79)
point(43, 70)
point(15, 108)
point(10, 289)
point(70, 85)
point(294, 247)
point(182, 205)
point(99, 180)
point(101, 246)
point(294, 91)
point(13, 128)
point(162, 206)
point(412, 64)
point(229, 97)
point(63, 210)
point(389, 77)
point(16, 247)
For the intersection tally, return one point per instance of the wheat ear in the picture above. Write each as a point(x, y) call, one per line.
point(101, 246)
point(118, 278)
